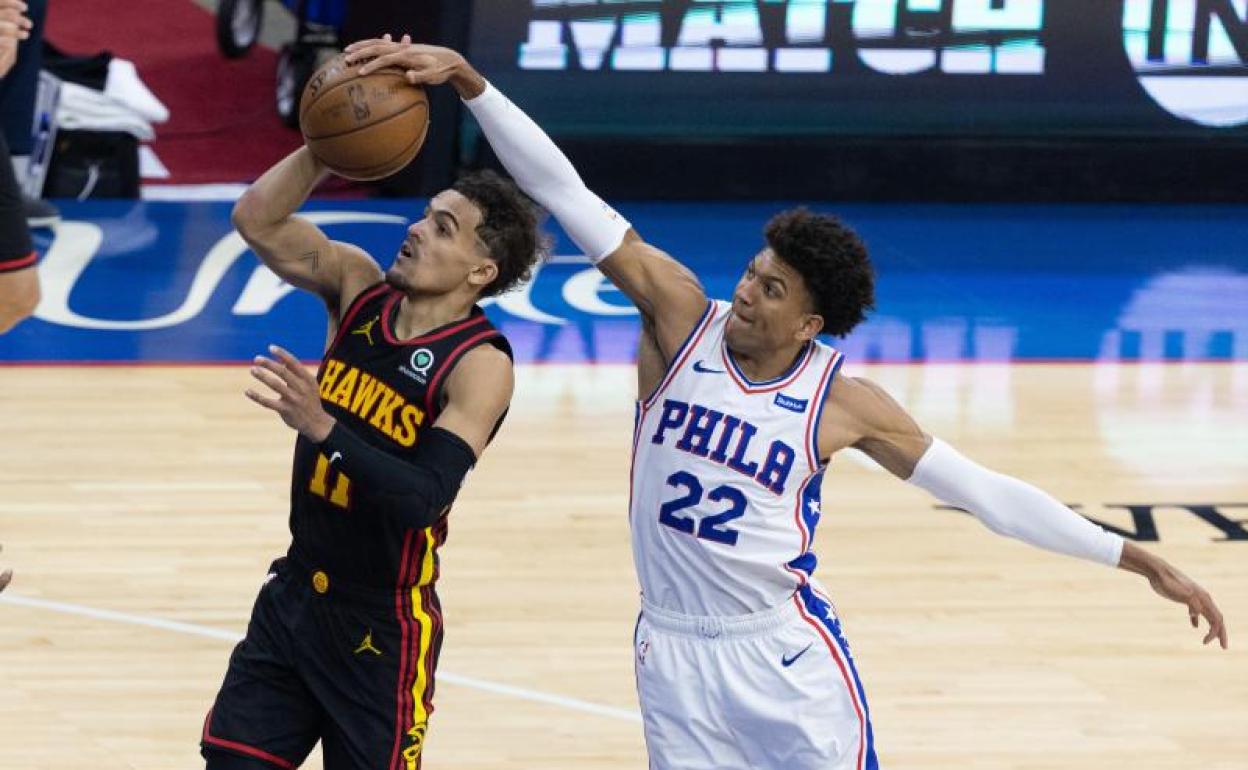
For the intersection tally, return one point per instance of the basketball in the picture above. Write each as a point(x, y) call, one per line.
point(363, 127)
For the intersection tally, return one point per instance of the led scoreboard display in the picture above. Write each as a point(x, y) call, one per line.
point(730, 68)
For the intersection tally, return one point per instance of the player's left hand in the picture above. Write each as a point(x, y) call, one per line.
point(298, 399)
point(1174, 585)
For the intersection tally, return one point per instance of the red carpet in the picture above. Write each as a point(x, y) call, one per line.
point(223, 126)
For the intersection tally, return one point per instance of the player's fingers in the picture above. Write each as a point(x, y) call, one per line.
point(383, 60)
point(292, 365)
point(407, 39)
point(357, 45)
point(21, 20)
point(1217, 624)
point(278, 385)
point(277, 368)
point(296, 375)
point(265, 401)
point(370, 50)
point(15, 21)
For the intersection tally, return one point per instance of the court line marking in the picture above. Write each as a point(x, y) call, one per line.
point(166, 486)
point(192, 629)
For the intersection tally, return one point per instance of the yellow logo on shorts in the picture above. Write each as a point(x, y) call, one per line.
point(320, 582)
point(367, 644)
point(411, 755)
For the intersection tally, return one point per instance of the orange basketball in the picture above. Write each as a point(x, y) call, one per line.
point(363, 127)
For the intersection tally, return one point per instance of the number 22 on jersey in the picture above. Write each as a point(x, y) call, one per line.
point(710, 527)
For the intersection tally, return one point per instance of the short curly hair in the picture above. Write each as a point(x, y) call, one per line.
point(833, 263)
point(510, 227)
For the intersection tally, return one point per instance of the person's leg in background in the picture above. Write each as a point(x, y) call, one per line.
point(19, 283)
point(18, 90)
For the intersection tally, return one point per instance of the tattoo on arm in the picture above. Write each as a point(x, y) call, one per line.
point(314, 257)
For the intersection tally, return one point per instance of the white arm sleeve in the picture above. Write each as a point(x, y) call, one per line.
point(547, 175)
point(1011, 507)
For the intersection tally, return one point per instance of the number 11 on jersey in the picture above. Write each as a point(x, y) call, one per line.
point(341, 496)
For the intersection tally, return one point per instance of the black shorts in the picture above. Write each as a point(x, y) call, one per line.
point(323, 662)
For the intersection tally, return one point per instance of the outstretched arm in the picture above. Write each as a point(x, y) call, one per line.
point(661, 288)
point(860, 414)
point(291, 246)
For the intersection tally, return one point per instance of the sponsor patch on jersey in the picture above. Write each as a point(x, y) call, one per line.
point(422, 362)
point(792, 404)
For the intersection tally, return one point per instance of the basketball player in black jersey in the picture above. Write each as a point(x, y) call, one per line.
point(344, 637)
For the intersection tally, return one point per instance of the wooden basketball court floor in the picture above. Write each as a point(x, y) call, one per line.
point(140, 507)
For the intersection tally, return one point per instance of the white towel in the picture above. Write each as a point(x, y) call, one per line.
point(124, 85)
point(85, 109)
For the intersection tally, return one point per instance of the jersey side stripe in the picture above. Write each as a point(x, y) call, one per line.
point(404, 624)
point(816, 413)
point(639, 414)
point(420, 712)
point(682, 353)
point(835, 649)
point(799, 521)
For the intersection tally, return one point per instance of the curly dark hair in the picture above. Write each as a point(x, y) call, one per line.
point(832, 261)
point(510, 227)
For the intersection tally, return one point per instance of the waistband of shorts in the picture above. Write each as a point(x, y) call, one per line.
point(718, 626)
point(325, 584)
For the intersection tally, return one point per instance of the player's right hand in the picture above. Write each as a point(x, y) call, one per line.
point(14, 27)
point(14, 23)
point(425, 64)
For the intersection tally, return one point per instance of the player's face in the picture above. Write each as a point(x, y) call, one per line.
point(770, 308)
point(442, 251)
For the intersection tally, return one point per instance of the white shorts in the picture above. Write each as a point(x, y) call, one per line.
point(775, 690)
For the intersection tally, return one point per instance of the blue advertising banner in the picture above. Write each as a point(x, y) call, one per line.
point(172, 282)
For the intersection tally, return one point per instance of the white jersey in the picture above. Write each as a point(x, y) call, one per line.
point(726, 478)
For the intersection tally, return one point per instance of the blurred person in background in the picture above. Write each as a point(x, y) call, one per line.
point(19, 283)
point(5, 577)
point(18, 92)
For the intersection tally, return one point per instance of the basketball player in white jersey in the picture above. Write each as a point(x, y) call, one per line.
point(740, 658)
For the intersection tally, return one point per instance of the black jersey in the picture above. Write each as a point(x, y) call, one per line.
point(388, 392)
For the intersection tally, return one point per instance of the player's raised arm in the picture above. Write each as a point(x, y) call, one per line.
point(291, 246)
point(862, 415)
point(663, 290)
